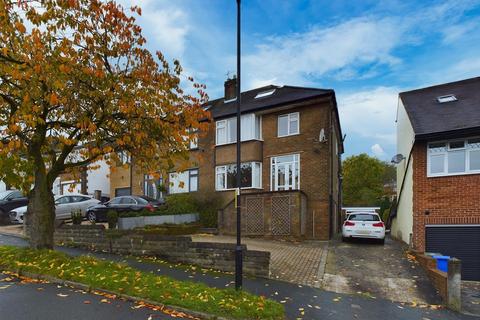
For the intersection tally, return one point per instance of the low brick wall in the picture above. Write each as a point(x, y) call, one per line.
point(447, 284)
point(220, 256)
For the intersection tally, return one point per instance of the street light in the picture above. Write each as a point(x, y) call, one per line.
point(238, 247)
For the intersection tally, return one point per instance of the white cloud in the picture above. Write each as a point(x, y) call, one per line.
point(295, 57)
point(377, 150)
point(370, 113)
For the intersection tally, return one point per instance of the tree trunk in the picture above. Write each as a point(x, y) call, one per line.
point(41, 213)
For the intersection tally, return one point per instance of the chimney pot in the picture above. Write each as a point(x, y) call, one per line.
point(231, 88)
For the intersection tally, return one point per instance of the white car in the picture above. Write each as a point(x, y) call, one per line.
point(64, 206)
point(363, 225)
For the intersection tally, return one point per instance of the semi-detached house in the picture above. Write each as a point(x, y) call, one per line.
point(291, 156)
point(438, 137)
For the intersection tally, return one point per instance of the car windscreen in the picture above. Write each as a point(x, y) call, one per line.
point(363, 217)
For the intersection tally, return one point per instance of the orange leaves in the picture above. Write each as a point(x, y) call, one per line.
point(20, 27)
point(53, 99)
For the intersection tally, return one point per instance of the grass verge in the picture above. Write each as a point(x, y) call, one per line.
point(121, 278)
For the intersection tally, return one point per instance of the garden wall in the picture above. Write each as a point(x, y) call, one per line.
point(220, 256)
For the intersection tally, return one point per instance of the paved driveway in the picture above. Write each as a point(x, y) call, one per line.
point(296, 262)
point(385, 271)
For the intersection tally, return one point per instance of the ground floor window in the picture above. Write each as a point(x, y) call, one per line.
point(285, 172)
point(153, 187)
point(185, 181)
point(226, 175)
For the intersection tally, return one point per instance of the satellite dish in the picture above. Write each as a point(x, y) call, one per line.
point(398, 158)
point(322, 137)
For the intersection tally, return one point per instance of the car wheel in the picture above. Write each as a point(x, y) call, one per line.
point(344, 239)
point(91, 216)
point(382, 241)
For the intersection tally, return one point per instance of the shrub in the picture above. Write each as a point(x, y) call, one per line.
point(385, 215)
point(207, 208)
point(112, 219)
point(178, 204)
point(77, 217)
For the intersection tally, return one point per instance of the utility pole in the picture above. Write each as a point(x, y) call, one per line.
point(238, 247)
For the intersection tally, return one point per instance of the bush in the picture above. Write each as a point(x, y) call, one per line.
point(207, 208)
point(178, 204)
point(77, 217)
point(385, 215)
point(112, 219)
point(169, 229)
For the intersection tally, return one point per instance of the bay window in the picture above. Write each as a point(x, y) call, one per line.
point(182, 182)
point(226, 176)
point(226, 130)
point(453, 157)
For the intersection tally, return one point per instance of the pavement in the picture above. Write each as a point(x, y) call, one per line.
point(291, 261)
point(27, 300)
point(301, 302)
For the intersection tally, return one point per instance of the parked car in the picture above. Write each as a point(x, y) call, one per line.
point(9, 200)
point(98, 213)
point(363, 225)
point(64, 206)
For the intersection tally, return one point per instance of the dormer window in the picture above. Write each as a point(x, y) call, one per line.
point(264, 94)
point(446, 98)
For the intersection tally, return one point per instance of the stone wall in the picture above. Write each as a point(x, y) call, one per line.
point(220, 256)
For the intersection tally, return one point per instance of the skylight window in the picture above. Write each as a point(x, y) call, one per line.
point(264, 93)
point(447, 98)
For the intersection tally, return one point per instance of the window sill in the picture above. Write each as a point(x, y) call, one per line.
point(289, 135)
point(243, 141)
point(452, 174)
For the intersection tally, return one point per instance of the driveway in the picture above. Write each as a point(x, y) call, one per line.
point(296, 262)
point(379, 271)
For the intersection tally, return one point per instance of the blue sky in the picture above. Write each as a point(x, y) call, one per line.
point(367, 51)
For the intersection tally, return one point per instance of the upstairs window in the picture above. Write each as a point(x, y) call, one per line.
point(453, 157)
point(288, 124)
point(226, 130)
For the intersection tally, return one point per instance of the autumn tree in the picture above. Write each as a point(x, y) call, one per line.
point(77, 85)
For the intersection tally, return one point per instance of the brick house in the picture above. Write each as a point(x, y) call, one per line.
point(438, 137)
point(291, 147)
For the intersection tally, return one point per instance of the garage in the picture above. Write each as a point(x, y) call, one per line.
point(459, 241)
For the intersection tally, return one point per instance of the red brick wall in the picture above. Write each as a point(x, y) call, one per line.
point(449, 200)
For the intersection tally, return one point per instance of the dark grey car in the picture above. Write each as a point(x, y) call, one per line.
point(9, 200)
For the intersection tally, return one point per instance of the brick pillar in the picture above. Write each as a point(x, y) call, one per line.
point(454, 285)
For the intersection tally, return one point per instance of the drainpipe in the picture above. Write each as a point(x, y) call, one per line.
point(131, 174)
point(330, 184)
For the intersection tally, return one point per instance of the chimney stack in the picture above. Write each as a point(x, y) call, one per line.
point(231, 88)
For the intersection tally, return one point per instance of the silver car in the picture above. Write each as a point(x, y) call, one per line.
point(64, 206)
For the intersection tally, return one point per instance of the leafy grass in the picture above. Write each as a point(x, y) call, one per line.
point(121, 278)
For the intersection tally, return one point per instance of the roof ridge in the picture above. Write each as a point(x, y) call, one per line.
point(442, 85)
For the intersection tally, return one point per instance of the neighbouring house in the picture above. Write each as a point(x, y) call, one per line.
point(438, 138)
point(90, 181)
point(291, 157)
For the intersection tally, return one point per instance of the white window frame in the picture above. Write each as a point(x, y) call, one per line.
point(288, 116)
point(295, 165)
point(223, 170)
point(248, 129)
point(445, 153)
point(187, 184)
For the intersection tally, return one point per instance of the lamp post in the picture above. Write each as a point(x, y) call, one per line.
point(238, 247)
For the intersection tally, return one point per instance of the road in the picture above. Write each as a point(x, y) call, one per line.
point(24, 300)
point(300, 302)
